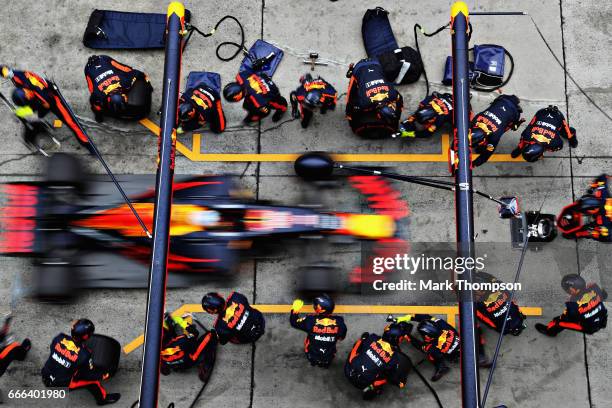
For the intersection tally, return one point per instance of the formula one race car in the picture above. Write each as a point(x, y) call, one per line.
point(596, 206)
point(82, 238)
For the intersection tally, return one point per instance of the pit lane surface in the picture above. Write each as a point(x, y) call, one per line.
point(533, 371)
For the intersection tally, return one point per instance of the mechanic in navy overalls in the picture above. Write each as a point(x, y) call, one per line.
point(488, 126)
point(369, 94)
point(237, 322)
point(584, 310)
point(260, 94)
point(544, 134)
point(198, 106)
point(109, 83)
point(312, 94)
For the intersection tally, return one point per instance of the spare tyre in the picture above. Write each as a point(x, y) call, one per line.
point(105, 354)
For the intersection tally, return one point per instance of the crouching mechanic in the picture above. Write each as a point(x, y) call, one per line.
point(439, 341)
point(591, 215)
point(491, 307)
point(11, 350)
point(323, 328)
point(543, 134)
point(584, 311)
point(375, 361)
point(198, 106)
point(110, 84)
point(183, 347)
point(434, 113)
point(311, 95)
point(70, 364)
point(373, 106)
point(260, 94)
point(489, 126)
point(237, 322)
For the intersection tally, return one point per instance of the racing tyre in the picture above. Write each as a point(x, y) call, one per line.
point(106, 353)
point(65, 170)
point(54, 283)
point(316, 279)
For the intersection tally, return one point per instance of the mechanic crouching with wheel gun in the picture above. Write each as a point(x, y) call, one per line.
point(237, 322)
point(375, 360)
point(584, 310)
point(70, 364)
point(434, 113)
point(439, 341)
point(261, 96)
point(373, 106)
point(183, 347)
point(543, 134)
point(323, 329)
point(489, 126)
point(110, 84)
point(311, 95)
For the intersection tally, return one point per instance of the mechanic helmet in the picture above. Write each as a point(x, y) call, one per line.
point(480, 278)
point(533, 152)
point(82, 330)
point(116, 103)
point(589, 203)
point(323, 304)
point(428, 329)
point(186, 111)
point(305, 78)
point(213, 303)
point(386, 113)
point(478, 137)
point(393, 333)
point(312, 100)
point(233, 92)
point(573, 281)
point(20, 97)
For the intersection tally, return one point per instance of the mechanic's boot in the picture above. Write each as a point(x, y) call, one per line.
point(440, 372)
point(110, 399)
point(542, 329)
point(26, 344)
point(515, 153)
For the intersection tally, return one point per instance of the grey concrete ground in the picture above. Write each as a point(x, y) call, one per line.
point(533, 371)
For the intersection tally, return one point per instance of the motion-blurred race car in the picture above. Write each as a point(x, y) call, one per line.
point(82, 238)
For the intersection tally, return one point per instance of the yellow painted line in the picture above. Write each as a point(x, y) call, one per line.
point(195, 153)
point(450, 312)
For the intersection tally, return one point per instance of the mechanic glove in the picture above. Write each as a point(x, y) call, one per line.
point(405, 318)
point(297, 305)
